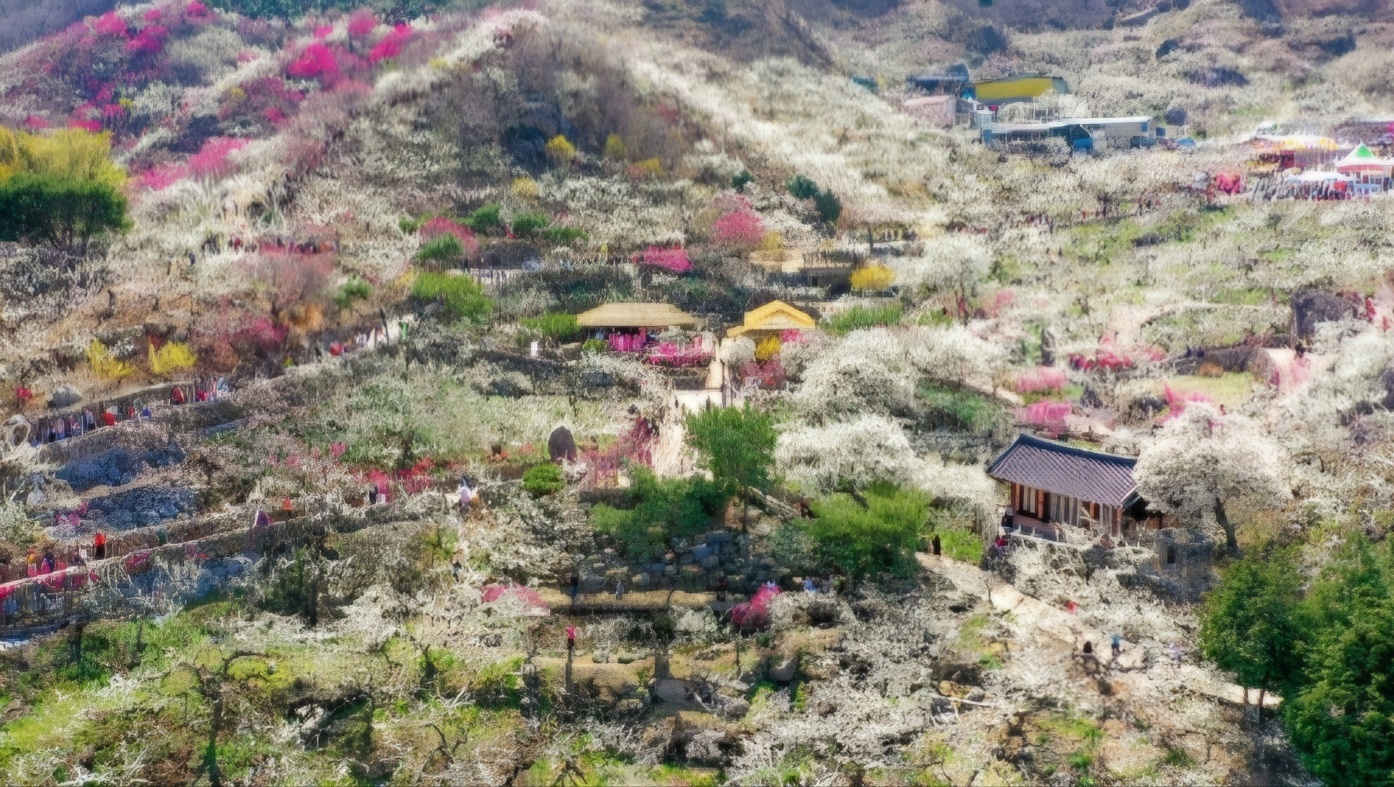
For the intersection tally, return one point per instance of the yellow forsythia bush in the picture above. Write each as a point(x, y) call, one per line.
point(615, 149)
point(172, 357)
point(560, 151)
point(525, 188)
point(872, 277)
point(104, 364)
point(768, 348)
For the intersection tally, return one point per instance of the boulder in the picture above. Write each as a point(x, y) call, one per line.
point(784, 669)
point(561, 445)
point(710, 562)
point(951, 689)
point(65, 396)
point(735, 708)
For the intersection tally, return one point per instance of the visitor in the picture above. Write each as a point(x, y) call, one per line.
point(49, 562)
point(287, 507)
point(373, 495)
point(570, 638)
point(1117, 645)
point(455, 569)
point(89, 421)
point(619, 591)
point(261, 520)
point(109, 418)
point(936, 545)
point(808, 586)
point(1088, 648)
point(466, 495)
point(99, 545)
point(1174, 650)
point(176, 396)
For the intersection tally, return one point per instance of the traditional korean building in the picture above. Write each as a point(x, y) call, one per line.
point(1054, 487)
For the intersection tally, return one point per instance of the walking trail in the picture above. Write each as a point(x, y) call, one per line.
point(1072, 631)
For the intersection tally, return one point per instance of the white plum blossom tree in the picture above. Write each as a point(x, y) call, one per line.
point(855, 453)
point(1204, 459)
point(869, 371)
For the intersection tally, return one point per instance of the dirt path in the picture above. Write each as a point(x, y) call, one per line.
point(1070, 630)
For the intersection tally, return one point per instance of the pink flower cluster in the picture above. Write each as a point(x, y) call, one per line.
point(738, 230)
point(316, 61)
point(674, 259)
point(635, 445)
point(391, 44)
point(150, 41)
point(361, 23)
point(680, 356)
point(1106, 360)
point(1041, 379)
point(768, 375)
point(529, 597)
point(1177, 401)
point(1049, 417)
point(440, 225)
point(755, 613)
point(211, 162)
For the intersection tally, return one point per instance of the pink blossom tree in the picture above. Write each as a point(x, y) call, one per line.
point(674, 259)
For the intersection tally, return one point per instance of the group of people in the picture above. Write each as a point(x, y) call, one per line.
point(63, 427)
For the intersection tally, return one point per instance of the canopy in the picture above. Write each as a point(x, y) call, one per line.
point(1362, 159)
point(1299, 142)
point(1318, 177)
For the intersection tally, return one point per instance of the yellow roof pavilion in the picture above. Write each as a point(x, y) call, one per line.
point(773, 316)
point(635, 315)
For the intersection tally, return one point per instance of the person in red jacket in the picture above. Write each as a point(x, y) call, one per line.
point(99, 546)
point(176, 396)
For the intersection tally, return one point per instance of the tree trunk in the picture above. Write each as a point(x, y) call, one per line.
point(1231, 543)
point(215, 723)
point(1261, 693)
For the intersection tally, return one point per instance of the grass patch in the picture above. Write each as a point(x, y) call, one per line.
point(1231, 390)
point(973, 644)
point(960, 409)
point(859, 317)
point(957, 543)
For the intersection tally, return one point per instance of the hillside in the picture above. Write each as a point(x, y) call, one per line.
point(353, 279)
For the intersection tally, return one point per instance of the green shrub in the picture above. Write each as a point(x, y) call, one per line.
point(543, 479)
point(408, 225)
point(594, 346)
point(355, 289)
point(485, 218)
point(828, 205)
point(863, 539)
point(564, 236)
point(662, 509)
point(801, 187)
point(526, 225)
point(443, 250)
point(557, 326)
point(63, 212)
point(462, 295)
point(742, 179)
point(859, 317)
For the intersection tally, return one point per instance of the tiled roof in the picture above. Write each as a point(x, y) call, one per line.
point(1065, 470)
